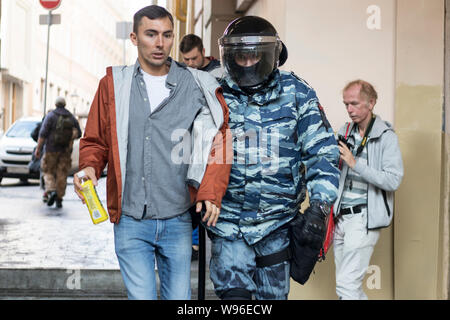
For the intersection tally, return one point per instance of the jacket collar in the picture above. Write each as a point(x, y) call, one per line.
point(172, 76)
point(379, 127)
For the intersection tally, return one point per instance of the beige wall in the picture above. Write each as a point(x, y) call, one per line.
point(445, 240)
point(331, 42)
point(419, 88)
point(218, 14)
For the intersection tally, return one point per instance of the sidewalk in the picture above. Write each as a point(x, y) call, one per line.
point(33, 235)
point(49, 253)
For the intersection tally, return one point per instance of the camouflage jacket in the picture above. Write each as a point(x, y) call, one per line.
point(276, 133)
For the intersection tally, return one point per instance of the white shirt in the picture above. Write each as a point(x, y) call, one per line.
point(156, 89)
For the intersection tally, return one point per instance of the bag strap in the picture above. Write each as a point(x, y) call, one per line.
point(274, 258)
point(366, 135)
point(348, 128)
point(345, 137)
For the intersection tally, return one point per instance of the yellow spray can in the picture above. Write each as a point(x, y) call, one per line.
point(95, 207)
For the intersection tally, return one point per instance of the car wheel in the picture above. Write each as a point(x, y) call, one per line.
point(24, 180)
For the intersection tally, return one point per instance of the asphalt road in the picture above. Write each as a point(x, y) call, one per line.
point(33, 235)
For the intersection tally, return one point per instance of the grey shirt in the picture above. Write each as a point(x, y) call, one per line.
point(155, 170)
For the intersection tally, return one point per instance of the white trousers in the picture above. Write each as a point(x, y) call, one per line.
point(353, 247)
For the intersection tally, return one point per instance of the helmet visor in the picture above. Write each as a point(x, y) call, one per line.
point(249, 64)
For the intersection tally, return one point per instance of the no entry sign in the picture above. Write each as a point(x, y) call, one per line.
point(50, 4)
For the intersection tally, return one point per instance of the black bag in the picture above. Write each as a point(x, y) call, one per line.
point(303, 258)
point(35, 133)
point(35, 164)
point(63, 131)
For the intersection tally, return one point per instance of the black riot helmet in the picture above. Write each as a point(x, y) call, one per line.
point(250, 51)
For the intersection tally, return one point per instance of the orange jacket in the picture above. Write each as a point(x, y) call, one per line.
point(99, 147)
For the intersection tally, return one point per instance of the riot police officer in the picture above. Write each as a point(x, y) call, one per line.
point(278, 127)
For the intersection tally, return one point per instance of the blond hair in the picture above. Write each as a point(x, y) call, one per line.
point(366, 89)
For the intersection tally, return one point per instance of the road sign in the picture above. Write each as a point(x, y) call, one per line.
point(50, 4)
point(55, 19)
point(123, 30)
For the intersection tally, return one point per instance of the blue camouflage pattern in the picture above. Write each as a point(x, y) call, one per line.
point(276, 133)
point(233, 266)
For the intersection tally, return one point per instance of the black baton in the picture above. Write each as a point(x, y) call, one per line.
point(201, 262)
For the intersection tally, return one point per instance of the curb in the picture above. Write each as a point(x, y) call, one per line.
point(84, 284)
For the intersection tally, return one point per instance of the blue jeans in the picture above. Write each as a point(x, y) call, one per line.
point(233, 266)
point(195, 237)
point(139, 242)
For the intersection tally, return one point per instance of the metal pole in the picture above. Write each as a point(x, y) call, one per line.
point(46, 63)
point(190, 18)
point(201, 262)
point(124, 52)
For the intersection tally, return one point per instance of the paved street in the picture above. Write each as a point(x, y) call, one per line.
point(48, 253)
point(33, 235)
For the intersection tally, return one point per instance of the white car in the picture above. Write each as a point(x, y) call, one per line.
point(16, 149)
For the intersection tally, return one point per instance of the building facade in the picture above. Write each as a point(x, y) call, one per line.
point(77, 56)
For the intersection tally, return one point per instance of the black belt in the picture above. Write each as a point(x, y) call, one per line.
point(354, 210)
point(274, 258)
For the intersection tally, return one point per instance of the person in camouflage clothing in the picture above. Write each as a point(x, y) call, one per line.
point(278, 129)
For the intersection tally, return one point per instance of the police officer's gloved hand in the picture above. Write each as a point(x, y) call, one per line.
point(314, 228)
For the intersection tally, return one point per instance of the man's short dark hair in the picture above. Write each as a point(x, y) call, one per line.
point(189, 42)
point(152, 12)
